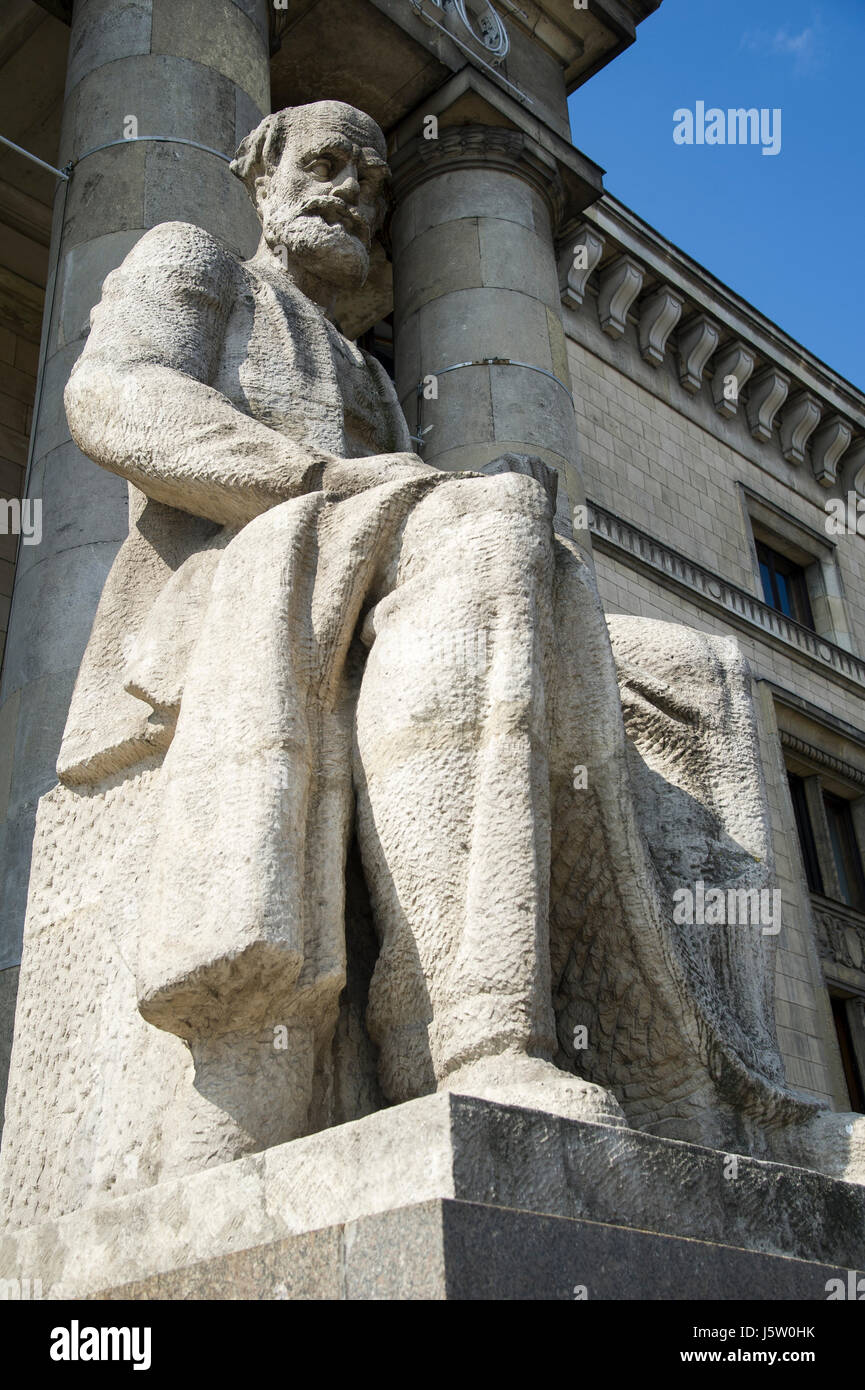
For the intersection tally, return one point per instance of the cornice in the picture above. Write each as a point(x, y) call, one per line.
point(789, 400)
point(812, 754)
point(668, 262)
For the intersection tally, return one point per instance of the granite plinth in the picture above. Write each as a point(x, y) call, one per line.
point(450, 1196)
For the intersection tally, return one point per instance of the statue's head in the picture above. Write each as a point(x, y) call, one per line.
point(317, 175)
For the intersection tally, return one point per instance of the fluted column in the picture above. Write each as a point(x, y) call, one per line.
point(475, 278)
point(197, 72)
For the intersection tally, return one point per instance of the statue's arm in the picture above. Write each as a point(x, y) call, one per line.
point(139, 402)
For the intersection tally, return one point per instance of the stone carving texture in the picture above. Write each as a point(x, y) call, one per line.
point(697, 342)
point(664, 307)
point(827, 446)
point(621, 282)
point(841, 937)
point(735, 363)
point(854, 467)
point(767, 394)
point(581, 257)
point(318, 843)
point(659, 315)
point(798, 422)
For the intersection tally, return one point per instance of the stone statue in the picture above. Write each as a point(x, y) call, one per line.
point(312, 641)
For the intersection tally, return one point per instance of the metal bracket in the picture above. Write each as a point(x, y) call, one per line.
point(157, 139)
point(58, 173)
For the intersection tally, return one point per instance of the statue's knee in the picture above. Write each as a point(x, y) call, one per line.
point(502, 494)
point(510, 493)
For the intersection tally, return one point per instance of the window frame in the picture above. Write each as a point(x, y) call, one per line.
point(812, 552)
point(778, 566)
point(848, 856)
point(805, 833)
point(851, 1044)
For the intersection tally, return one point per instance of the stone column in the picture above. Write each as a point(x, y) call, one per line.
point(475, 277)
point(198, 72)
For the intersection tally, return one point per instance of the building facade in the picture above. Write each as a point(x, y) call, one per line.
point(522, 308)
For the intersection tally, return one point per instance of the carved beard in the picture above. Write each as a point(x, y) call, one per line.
point(327, 250)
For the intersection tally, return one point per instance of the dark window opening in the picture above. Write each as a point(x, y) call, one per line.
point(806, 834)
point(845, 851)
point(784, 586)
point(852, 1072)
point(378, 341)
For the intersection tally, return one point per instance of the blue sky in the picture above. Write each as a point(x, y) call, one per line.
point(786, 231)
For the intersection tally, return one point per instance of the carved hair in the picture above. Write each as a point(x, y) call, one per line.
point(262, 148)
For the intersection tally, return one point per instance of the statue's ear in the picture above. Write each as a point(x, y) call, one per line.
point(248, 162)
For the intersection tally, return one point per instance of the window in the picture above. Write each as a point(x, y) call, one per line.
point(845, 852)
point(829, 812)
point(796, 569)
point(378, 341)
point(805, 832)
point(784, 585)
point(829, 841)
point(846, 1044)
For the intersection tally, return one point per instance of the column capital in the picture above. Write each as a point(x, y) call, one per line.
point(480, 147)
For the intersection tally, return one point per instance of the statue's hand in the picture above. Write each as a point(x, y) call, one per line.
point(531, 466)
point(346, 477)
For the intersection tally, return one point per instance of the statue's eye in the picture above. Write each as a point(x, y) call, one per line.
point(320, 168)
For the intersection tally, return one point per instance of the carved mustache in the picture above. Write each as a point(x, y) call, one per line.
point(334, 210)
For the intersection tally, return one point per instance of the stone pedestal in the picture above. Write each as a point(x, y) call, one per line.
point(453, 1197)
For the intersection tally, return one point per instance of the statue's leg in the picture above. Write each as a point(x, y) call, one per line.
point(452, 778)
point(242, 948)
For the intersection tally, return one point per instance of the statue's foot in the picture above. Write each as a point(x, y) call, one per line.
point(831, 1142)
point(512, 1078)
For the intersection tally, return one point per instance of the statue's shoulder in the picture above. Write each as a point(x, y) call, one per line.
point(175, 274)
point(180, 245)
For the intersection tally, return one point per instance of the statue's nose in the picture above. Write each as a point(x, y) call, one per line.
point(347, 186)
